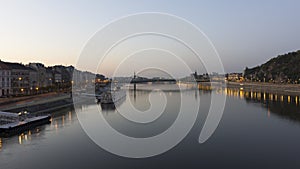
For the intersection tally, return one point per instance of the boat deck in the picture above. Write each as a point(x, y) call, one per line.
point(19, 123)
point(12, 123)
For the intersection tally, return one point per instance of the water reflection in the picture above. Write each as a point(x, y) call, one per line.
point(59, 120)
point(112, 106)
point(284, 106)
point(246, 134)
point(258, 96)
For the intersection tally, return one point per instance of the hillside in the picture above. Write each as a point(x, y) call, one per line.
point(282, 69)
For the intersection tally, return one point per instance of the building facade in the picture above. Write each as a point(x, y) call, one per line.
point(41, 74)
point(17, 79)
point(23, 79)
point(5, 80)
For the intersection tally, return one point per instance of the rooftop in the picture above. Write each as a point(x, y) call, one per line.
point(3, 66)
point(16, 66)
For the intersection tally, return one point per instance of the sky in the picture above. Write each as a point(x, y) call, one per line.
point(244, 33)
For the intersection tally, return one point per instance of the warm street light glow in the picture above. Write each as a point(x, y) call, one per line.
point(20, 78)
point(22, 90)
point(36, 88)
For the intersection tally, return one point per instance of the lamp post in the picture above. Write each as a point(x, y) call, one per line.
point(20, 79)
point(37, 90)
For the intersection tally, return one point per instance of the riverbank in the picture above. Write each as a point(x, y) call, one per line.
point(284, 89)
point(38, 104)
point(46, 103)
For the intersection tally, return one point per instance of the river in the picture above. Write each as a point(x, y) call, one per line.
point(257, 130)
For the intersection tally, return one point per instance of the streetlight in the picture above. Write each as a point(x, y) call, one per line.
point(37, 89)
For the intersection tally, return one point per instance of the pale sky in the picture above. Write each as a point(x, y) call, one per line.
point(245, 33)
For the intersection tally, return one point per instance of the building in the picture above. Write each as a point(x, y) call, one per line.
point(88, 77)
point(66, 75)
point(42, 78)
point(234, 77)
point(5, 80)
point(23, 79)
point(49, 77)
point(216, 77)
point(200, 78)
point(17, 79)
point(57, 77)
point(99, 78)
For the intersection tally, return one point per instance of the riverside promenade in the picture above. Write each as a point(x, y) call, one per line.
point(286, 89)
point(37, 103)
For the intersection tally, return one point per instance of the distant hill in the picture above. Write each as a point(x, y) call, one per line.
point(282, 69)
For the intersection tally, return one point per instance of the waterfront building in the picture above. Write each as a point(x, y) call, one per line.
point(57, 77)
point(234, 77)
point(49, 77)
point(5, 80)
point(18, 79)
point(42, 79)
point(23, 78)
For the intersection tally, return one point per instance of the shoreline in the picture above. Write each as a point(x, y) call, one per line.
point(283, 89)
point(39, 104)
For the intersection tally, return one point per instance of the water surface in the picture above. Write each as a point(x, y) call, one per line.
point(257, 130)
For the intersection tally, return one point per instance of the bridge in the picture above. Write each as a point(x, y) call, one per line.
point(146, 80)
point(137, 79)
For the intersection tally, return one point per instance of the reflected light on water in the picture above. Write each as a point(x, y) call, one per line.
point(253, 95)
point(246, 119)
point(56, 125)
point(63, 121)
point(24, 137)
point(242, 94)
point(70, 116)
point(20, 139)
point(258, 96)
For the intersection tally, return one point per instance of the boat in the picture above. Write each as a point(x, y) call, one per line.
point(15, 123)
point(111, 96)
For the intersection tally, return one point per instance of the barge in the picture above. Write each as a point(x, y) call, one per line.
point(111, 96)
point(15, 123)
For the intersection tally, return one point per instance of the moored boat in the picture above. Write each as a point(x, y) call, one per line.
point(15, 123)
point(112, 96)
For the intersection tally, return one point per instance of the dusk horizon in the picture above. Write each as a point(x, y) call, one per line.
point(254, 31)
